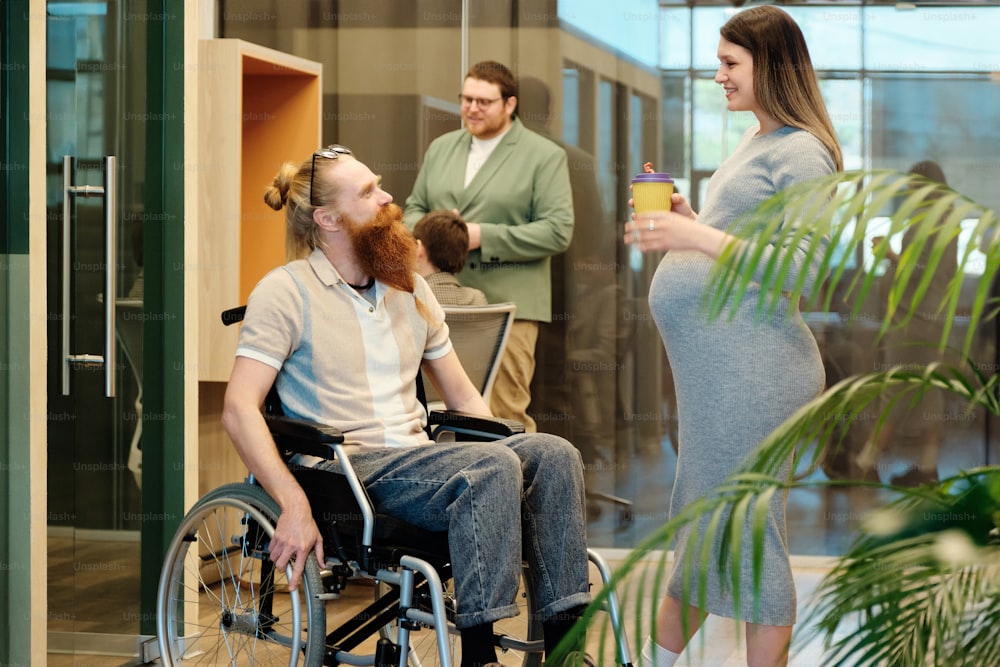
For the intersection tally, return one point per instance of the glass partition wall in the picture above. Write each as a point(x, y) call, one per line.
point(621, 85)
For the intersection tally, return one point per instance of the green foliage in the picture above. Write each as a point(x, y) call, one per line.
point(840, 209)
point(921, 582)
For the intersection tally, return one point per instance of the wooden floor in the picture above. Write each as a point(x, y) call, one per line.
point(105, 584)
point(93, 585)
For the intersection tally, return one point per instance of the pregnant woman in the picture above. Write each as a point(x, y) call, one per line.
point(738, 378)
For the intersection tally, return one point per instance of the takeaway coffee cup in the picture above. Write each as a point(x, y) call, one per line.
point(651, 191)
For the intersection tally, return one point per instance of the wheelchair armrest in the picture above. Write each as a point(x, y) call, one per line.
point(475, 426)
point(303, 436)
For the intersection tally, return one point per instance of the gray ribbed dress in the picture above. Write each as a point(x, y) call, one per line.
point(737, 379)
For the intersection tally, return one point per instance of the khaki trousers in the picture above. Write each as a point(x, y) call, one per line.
point(512, 388)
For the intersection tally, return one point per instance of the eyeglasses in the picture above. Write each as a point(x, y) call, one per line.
point(331, 152)
point(478, 101)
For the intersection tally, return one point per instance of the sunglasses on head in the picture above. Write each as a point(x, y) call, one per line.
point(331, 152)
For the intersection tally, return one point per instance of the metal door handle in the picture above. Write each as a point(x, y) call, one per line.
point(109, 191)
point(110, 272)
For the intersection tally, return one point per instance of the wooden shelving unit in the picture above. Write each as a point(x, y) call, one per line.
point(258, 108)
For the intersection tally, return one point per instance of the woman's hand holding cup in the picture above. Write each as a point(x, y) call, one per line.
point(652, 199)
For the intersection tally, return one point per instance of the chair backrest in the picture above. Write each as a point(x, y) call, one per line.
point(479, 336)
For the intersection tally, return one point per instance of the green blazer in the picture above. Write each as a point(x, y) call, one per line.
point(521, 197)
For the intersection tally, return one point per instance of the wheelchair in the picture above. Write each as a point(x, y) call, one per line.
point(220, 600)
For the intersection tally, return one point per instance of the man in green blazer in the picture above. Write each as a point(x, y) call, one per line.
point(512, 187)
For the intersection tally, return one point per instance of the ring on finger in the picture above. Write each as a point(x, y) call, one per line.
point(652, 225)
point(635, 234)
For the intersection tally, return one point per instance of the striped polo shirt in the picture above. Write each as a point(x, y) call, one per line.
point(342, 360)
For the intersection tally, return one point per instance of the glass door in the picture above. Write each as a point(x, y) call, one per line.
point(96, 155)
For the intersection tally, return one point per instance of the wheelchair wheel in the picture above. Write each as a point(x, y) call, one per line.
point(220, 599)
point(423, 642)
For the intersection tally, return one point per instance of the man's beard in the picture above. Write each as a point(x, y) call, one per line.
point(385, 249)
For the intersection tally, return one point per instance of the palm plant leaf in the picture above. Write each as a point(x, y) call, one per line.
point(841, 211)
point(747, 491)
point(919, 581)
point(909, 604)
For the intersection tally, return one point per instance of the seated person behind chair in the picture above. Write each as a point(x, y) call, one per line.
point(442, 247)
point(343, 330)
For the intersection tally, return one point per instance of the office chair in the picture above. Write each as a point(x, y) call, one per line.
point(479, 336)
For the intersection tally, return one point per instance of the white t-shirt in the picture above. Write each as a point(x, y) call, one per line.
point(479, 152)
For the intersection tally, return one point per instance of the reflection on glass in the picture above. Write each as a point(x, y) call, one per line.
point(844, 100)
point(950, 120)
point(705, 35)
point(675, 38)
point(716, 132)
point(957, 38)
point(606, 148)
point(832, 33)
point(900, 109)
point(629, 28)
point(94, 497)
point(571, 106)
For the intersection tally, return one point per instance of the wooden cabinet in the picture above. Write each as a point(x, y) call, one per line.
point(258, 108)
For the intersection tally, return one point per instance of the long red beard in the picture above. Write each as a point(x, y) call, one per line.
point(386, 249)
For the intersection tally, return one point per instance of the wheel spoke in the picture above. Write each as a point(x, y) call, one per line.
point(221, 581)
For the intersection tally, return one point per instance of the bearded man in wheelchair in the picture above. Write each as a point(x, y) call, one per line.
point(342, 332)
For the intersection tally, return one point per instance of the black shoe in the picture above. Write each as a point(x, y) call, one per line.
point(914, 477)
point(841, 464)
point(865, 474)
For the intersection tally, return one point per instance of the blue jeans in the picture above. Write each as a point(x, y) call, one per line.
point(490, 497)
